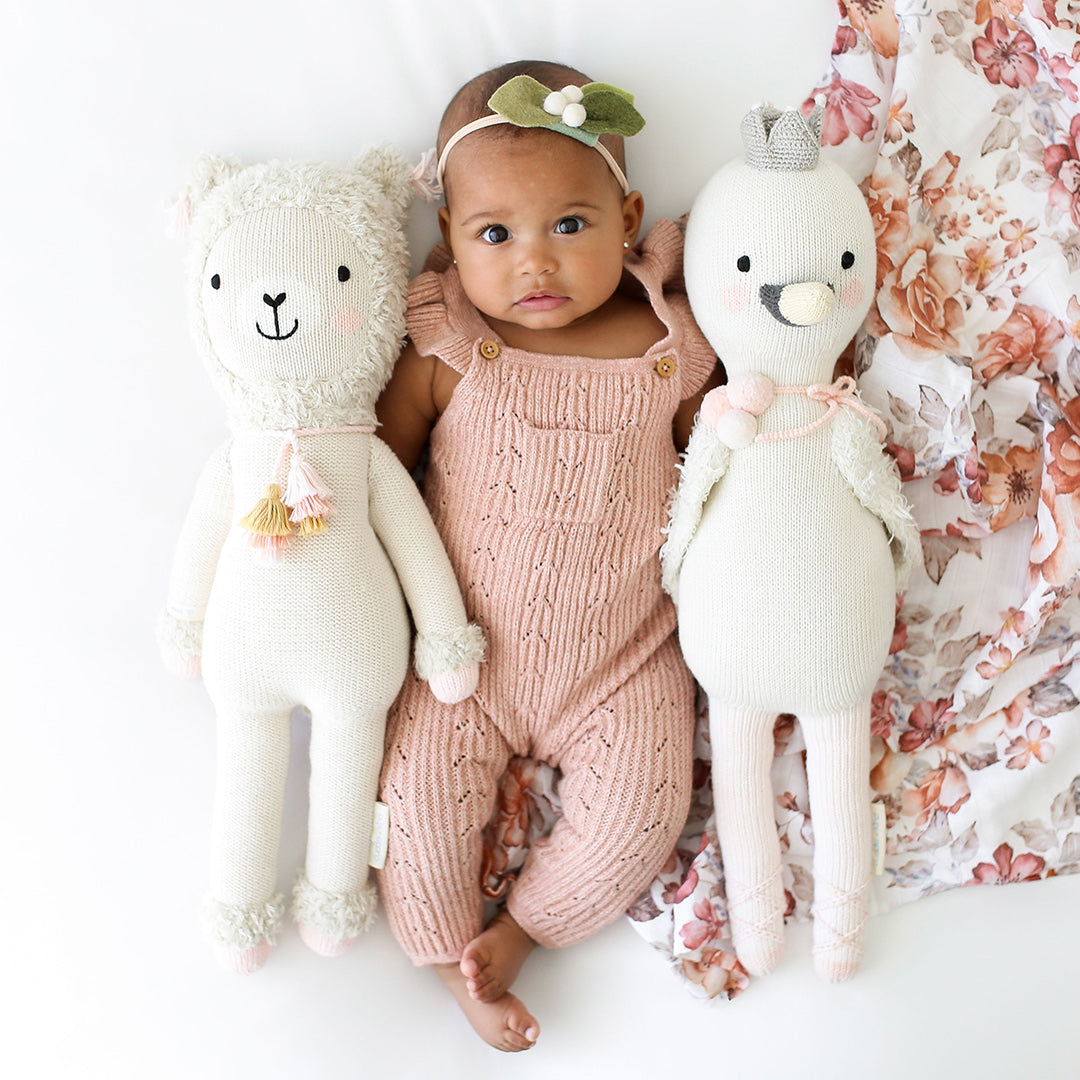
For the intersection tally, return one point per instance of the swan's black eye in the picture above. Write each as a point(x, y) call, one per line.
point(343, 273)
point(744, 264)
point(215, 282)
point(847, 260)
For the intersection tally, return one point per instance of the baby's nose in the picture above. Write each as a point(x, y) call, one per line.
point(536, 257)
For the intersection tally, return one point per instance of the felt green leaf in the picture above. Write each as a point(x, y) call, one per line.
point(521, 101)
point(609, 113)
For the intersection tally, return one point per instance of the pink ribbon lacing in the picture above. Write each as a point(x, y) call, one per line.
point(841, 392)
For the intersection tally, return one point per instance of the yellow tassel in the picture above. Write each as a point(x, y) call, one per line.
point(312, 525)
point(269, 516)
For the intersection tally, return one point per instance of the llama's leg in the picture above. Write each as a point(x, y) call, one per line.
point(244, 910)
point(335, 900)
point(838, 768)
point(742, 754)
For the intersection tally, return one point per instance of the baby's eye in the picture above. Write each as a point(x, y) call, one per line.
point(847, 260)
point(570, 225)
point(496, 234)
point(215, 282)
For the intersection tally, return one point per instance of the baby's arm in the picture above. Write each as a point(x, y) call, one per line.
point(406, 409)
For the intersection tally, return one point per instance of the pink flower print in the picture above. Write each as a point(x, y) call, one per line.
point(1060, 67)
point(886, 195)
point(1032, 744)
point(956, 225)
point(929, 722)
point(999, 662)
point(848, 111)
point(707, 926)
point(673, 895)
point(1005, 868)
point(1005, 59)
point(877, 20)
point(882, 716)
point(1063, 443)
point(1062, 162)
point(1017, 236)
point(1001, 9)
point(917, 300)
point(945, 788)
point(1012, 487)
point(936, 183)
point(717, 972)
point(845, 39)
point(900, 121)
point(904, 458)
point(1026, 339)
point(1072, 312)
point(991, 207)
point(979, 265)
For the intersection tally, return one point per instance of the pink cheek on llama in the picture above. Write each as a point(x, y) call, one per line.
point(347, 319)
point(851, 294)
point(735, 297)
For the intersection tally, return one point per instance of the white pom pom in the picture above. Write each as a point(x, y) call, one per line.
point(572, 94)
point(736, 428)
point(555, 102)
point(574, 115)
point(750, 391)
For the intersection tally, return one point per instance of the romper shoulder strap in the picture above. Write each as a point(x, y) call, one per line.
point(439, 315)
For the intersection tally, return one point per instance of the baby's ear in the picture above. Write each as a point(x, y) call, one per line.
point(388, 169)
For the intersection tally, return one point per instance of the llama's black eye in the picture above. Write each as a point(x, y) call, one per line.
point(744, 264)
point(343, 273)
point(847, 260)
point(215, 282)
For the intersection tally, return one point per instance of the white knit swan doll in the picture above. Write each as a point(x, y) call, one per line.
point(304, 533)
point(778, 552)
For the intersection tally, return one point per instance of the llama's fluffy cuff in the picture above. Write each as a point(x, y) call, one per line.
point(460, 647)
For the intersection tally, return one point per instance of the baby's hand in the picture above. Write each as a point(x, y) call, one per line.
point(455, 685)
point(180, 642)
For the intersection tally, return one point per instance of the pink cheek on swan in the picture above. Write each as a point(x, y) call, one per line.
point(346, 319)
point(852, 293)
point(735, 297)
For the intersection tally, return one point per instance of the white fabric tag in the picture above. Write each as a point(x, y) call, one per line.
point(380, 836)
point(878, 836)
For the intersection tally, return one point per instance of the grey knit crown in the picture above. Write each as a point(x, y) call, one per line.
point(782, 139)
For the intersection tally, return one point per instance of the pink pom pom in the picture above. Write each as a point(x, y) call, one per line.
point(750, 391)
point(713, 406)
point(736, 428)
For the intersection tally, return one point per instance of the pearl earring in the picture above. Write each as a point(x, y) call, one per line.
point(626, 243)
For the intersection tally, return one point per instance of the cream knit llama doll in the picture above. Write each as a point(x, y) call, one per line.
point(304, 534)
point(778, 553)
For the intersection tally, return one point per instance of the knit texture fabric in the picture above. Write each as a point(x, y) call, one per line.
point(787, 589)
point(303, 545)
point(549, 479)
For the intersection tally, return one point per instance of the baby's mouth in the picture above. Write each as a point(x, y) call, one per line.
point(542, 301)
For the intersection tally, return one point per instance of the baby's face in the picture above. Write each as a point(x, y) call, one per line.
point(537, 226)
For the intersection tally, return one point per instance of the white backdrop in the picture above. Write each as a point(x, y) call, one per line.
point(107, 778)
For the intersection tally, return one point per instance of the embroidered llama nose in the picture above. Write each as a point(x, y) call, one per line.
point(275, 302)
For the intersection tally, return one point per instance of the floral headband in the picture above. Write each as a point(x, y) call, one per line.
point(582, 112)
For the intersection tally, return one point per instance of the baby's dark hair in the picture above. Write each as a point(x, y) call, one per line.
point(471, 101)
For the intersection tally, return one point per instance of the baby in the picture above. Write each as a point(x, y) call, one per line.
point(553, 368)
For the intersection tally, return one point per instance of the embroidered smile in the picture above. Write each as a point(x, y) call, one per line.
point(274, 302)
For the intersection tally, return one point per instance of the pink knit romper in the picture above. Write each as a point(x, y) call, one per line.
point(549, 481)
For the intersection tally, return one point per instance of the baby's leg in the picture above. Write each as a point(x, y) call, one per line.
point(334, 901)
point(625, 792)
point(837, 771)
point(244, 909)
point(742, 754)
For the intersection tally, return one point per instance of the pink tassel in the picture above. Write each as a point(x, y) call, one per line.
point(310, 506)
point(303, 482)
point(269, 547)
point(181, 219)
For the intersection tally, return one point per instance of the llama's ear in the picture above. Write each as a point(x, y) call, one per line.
point(206, 174)
point(388, 169)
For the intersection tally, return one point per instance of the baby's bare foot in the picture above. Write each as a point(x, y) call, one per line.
point(504, 1023)
point(492, 960)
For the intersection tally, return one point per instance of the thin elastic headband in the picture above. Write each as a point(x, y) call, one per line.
point(581, 112)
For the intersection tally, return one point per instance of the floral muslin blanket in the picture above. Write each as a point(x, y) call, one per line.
point(961, 120)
